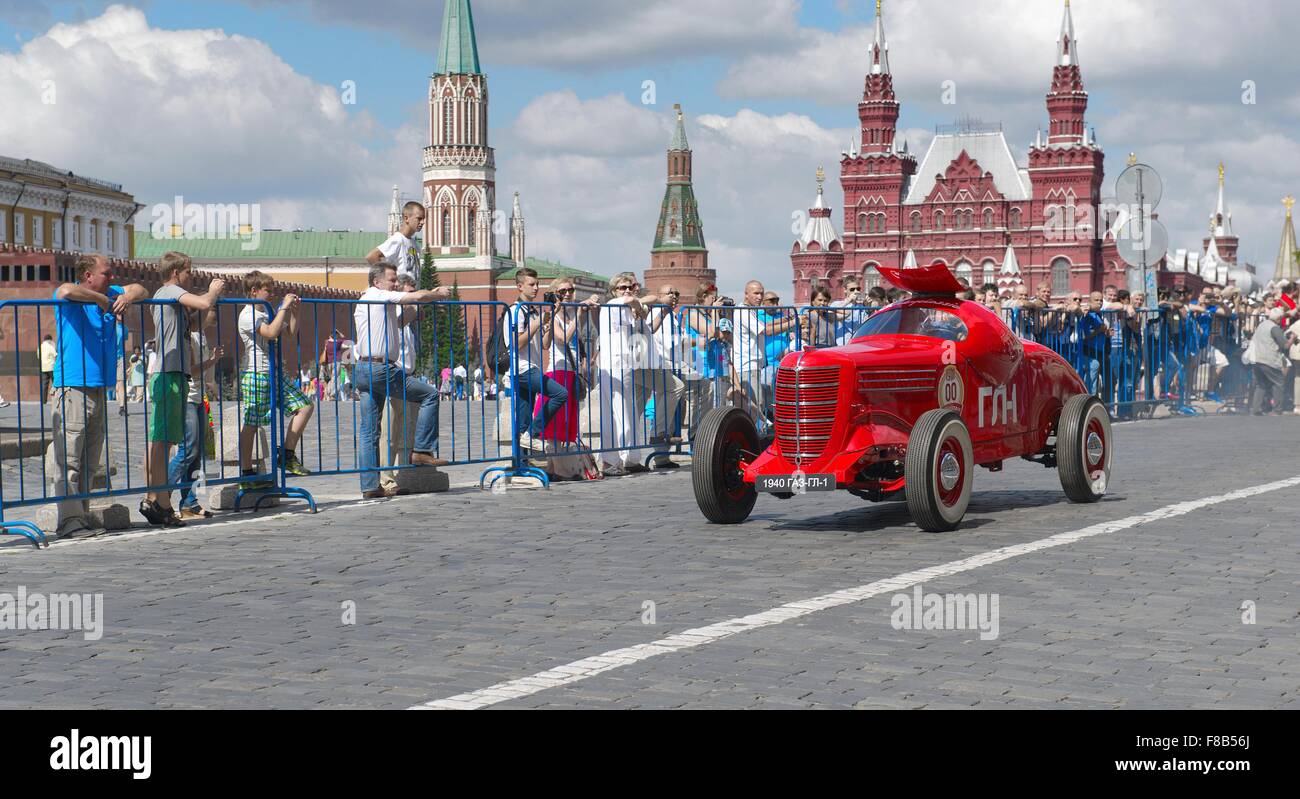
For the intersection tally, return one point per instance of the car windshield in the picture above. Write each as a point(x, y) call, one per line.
point(915, 321)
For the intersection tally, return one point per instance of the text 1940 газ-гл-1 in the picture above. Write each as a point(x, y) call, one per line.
point(928, 389)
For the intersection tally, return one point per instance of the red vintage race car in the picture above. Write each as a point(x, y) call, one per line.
point(928, 389)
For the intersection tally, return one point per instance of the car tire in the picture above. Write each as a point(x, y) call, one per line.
point(720, 490)
point(1084, 448)
point(938, 471)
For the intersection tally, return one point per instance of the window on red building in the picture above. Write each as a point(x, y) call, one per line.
point(1060, 277)
point(916, 221)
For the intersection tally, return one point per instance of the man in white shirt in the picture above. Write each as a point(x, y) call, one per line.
point(380, 315)
point(532, 331)
point(749, 351)
point(655, 377)
point(400, 249)
point(397, 428)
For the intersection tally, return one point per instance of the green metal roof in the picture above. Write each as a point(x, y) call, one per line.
point(273, 244)
point(458, 54)
point(551, 270)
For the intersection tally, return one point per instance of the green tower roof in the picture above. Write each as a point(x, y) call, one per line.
point(679, 136)
point(458, 54)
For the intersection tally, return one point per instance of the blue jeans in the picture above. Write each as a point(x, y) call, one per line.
point(527, 385)
point(1122, 366)
point(376, 382)
point(1090, 371)
point(180, 471)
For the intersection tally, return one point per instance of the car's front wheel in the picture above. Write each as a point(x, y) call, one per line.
point(938, 471)
point(1084, 448)
point(726, 437)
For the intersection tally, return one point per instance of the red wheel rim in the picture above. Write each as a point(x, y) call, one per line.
point(733, 480)
point(949, 480)
point(1094, 448)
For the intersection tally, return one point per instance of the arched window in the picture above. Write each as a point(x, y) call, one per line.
point(1015, 217)
point(446, 227)
point(871, 166)
point(448, 121)
point(988, 218)
point(938, 220)
point(916, 221)
point(1060, 277)
point(964, 270)
point(862, 223)
point(470, 226)
point(990, 271)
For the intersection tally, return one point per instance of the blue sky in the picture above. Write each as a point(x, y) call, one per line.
point(769, 86)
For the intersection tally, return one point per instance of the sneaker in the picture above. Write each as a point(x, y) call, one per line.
point(4, 403)
point(294, 466)
point(529, 444)
point(255, 485)
point(615, 471)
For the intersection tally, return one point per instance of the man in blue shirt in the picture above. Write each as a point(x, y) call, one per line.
point(83, 373)
point(1092, 330)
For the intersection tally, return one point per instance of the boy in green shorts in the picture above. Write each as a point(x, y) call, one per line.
point(169, 378)
point(256, 330)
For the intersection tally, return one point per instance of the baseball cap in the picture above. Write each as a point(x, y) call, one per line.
point(724, 325)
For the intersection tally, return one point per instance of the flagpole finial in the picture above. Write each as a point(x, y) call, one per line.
point(1288, 201)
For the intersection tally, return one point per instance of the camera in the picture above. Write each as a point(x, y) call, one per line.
point(550, 297)
point(727, 301)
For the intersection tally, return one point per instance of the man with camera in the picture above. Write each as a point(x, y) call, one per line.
point(533, 330)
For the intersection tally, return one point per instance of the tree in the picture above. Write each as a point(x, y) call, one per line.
point(429, 331)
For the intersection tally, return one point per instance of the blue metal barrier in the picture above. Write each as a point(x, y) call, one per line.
point(97, 437)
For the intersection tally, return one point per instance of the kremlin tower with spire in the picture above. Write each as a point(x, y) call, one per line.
point(679, 254)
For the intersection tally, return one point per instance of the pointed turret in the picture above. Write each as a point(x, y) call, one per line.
point(679, 252)
point(458, 54)
point(1009, 277)
point(879, 47)
point(517, 234)
point(1288, 266)
point(395, 213)
point(1067, 47)
point(818, 254)
point(1221, 226)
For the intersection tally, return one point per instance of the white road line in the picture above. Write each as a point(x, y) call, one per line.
point(591, 666)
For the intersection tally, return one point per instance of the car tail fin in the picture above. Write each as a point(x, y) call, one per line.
point(934, 279)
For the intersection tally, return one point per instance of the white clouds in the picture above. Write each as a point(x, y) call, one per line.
point(213, 117)
point(751, 171)
point(580, 33)
point(561, 123)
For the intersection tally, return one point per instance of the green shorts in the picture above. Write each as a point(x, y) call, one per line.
point(255, 388)
point(165, 414)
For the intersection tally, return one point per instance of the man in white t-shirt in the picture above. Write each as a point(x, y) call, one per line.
point(749, 352)
point(532, 331)
point(400, 249)
point(381, 313)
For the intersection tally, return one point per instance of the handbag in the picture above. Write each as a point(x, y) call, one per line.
point(580, 387)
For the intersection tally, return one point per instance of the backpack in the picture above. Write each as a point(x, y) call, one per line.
point(498, 347)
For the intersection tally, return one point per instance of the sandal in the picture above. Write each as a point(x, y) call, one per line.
point(159, 516)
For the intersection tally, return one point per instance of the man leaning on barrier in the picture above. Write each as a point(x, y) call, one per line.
point(83, 372)
point(379, 319)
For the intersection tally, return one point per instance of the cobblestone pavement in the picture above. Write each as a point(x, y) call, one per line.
point(461, 591)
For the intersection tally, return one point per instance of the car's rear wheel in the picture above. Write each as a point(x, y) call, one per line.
point(726, 436)
point(1084, 448)
point(938, 471)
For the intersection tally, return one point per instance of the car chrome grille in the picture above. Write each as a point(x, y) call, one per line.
point(806, 401)
point(896, 380)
